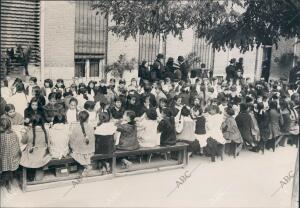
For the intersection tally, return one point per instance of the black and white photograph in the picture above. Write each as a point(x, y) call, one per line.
point(150, 103)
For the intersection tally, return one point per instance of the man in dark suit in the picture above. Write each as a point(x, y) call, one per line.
point(159, 66)
point(183, 68)
point(230, 70)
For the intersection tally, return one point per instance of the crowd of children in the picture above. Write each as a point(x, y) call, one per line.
point(39, 123)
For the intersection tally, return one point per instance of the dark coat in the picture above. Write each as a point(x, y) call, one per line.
point(117, 114)
point(128, 139)
point(275, 121)
point(245, 124)
point(184, 71)
point(230, 72)
point(52, 110)
point(168, 134)
point(263, 121)
point(143, 73)
point(29, 113)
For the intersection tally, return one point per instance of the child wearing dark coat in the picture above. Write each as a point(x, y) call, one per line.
point(167, 128)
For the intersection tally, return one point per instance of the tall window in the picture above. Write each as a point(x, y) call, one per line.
point(148, 47)
point(203, 50)
point(90, 41)
point(20, 25)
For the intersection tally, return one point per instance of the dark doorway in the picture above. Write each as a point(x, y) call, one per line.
point(267, 53)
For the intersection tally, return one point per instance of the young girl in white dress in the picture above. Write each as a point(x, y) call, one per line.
point(72, 111)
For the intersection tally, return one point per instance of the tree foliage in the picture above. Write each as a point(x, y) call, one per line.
point(120, 66)
point(226, 24)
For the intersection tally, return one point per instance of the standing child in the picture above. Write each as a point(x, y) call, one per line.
point(231, 132)
point(10, 153)
point(200, 128)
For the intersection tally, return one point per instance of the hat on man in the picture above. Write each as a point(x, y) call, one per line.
point(180, 58)
point(232, 60)
point(160, 56)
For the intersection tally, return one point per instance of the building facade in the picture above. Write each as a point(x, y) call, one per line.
point(71, 40)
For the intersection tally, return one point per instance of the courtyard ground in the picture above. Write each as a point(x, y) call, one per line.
point(251, 180)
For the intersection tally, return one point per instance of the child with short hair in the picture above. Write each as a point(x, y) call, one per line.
point(32, 83)
point(11, 114)
point(187, 134)
point(200, 126)
point(148, 136)
point(117, 110)
point(104, 134)
point(231, 131)
point(128, 138)
point(10, 153)
point(60, 85)
point(72, 111)
point(89, 106)
point(52, 108)
point(167, 128)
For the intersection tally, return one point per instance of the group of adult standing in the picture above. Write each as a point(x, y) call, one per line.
point(158, 71)
point(234, 70)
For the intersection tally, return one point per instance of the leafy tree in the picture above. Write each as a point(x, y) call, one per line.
point(226, 24)
point(120, 66)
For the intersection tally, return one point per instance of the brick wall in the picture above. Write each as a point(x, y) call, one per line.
point(59, 39)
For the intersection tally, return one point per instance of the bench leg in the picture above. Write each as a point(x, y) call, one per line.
point(185, 157)
point(149, 158)
point(114, 166)
point(24, 179)
point(234, 150)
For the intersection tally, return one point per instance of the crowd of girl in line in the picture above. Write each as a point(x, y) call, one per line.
point(39, 123)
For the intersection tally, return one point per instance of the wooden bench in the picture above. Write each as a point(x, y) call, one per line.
point(59, 181)
point(51, 181)
point(181, 161)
